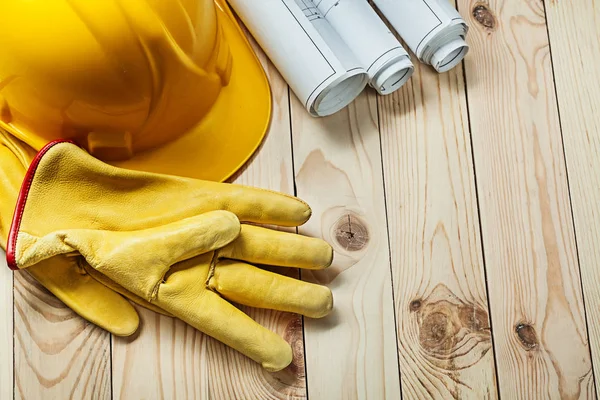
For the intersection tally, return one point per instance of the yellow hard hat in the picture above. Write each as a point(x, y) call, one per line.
point(169, 86)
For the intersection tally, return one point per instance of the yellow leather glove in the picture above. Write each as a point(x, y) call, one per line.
point(66, 276)
point(174, 242)
point(62, 275)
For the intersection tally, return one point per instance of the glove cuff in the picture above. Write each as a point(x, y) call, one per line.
point(11, 248)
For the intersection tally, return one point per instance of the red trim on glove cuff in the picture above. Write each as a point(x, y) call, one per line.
point(20, 207)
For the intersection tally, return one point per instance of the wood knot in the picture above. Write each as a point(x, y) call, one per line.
point(435, 330)
point(484, 16)
point(474, 318)
point(452, 333)
point(527, 336)
point(415, 305)
point(293, 335)
point(351, 233)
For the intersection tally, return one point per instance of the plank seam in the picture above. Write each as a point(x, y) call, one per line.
point(562, 140)
point(387, 227)
point(299, 270)
point(485, 276)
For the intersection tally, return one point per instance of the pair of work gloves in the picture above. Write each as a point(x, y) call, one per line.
point(92, 233)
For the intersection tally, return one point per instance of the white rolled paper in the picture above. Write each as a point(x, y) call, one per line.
point(316, 63)
point(433, 30)
point(374, 45)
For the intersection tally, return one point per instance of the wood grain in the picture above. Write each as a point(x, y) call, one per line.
point(444, 335)
point(574, 30)
point(58, 355)
point(6, 329)
point(168, 359)
point(535, 293)
point(352, 352)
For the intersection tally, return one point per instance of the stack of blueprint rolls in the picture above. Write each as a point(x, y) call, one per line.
point(330, 50)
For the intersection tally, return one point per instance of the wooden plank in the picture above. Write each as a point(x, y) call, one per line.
point(58, 355)
point(6, 329)
point(351, 353)
point(165, 359)
point(168, 359)
point(444, 334)
point(535, 294)
point(574, 30)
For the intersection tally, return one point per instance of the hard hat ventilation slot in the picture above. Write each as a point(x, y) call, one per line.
point(110, 146)
point(5, 114)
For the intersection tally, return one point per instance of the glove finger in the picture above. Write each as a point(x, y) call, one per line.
point(260, 205)
point(258, 245)
point(246, 284)
point(86, 296)
point(209, 313)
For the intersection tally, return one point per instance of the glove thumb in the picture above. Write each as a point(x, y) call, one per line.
point(136, 259)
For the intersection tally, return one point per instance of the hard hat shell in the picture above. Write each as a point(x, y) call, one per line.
point(169, 86)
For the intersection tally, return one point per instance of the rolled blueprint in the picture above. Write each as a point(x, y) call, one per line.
point(316, 63)
point(433, 30)
point(373, 44)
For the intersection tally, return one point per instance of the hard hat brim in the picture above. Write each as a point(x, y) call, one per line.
point(234, 128)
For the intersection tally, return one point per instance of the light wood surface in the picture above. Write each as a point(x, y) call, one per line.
point(57, 355)
point(463, 211)
point(338, 171)
point(442, 311)
point(527, 230)
point(575, 43)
